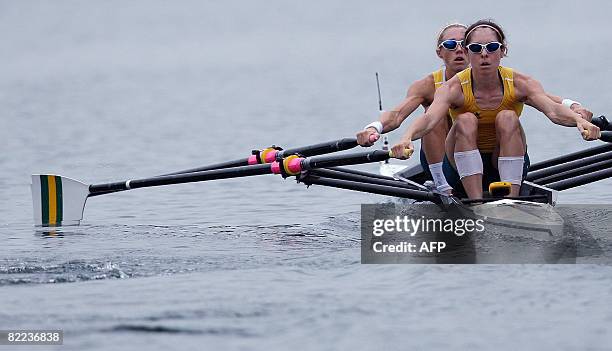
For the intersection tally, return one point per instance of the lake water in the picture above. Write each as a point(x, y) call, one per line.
point(109, 91)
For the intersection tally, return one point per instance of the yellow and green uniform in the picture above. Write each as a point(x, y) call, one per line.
point(487, 139)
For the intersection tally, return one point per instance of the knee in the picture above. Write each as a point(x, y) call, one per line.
point(466, 123)
point(438, 133)
point(507, 121)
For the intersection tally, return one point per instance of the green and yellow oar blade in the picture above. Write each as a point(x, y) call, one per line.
point(58, 200)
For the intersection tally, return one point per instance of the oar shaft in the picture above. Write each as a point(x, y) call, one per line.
point(319, 149)
point(570, 157)
point(586, 169)
point(554, 170)
point(372, 188)
point(344, 160)
point(234, 172)
point(334, 174)
point(581, 180)
point(362, 173)
point(222, 165)
point(271, 155)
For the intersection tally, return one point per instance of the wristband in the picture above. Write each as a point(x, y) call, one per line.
point(376, 125)
point(569, 102)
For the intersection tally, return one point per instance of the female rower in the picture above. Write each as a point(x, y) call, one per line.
point(449, 50)
point(485, 103)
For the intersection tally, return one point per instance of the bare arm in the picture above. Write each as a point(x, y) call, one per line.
point(576, 107)
point(554, 98)
point(418, 93)
point(446, 96)
point(416, 96)
point(534, 95)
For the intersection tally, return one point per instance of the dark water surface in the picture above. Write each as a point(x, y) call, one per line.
point(107, 91)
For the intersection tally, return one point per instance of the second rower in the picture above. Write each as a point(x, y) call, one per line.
point(421, 93)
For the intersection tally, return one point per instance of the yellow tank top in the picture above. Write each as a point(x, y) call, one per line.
point(438, 77)
point(486, 118)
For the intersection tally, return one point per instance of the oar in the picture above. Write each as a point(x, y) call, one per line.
point(275, 153)
point(602, 122)
point(575, 171)
point(606, 136)
point(60, 200)
point(567, 166)
point(389, 190)
point(335, 174)
point(605, 127)
point(581, 180)
point(570, 157)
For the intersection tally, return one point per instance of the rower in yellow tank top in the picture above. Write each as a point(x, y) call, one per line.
point(438, 77)
point(486, 142)
point(486, 117)
point(421, 93)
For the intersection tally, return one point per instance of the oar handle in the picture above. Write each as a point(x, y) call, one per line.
point(606, 136)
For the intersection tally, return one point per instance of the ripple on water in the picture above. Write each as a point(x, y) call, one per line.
point(128, 251)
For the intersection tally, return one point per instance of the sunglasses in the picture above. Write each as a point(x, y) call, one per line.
point(490, 47)
point(450, 44)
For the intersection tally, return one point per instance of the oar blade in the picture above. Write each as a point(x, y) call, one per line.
point(57, 200)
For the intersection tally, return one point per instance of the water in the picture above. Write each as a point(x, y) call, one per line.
point(110, 91)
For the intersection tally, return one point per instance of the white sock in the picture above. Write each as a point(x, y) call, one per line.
point(468, 163)
point(438, 177)
point(511, 169)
